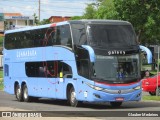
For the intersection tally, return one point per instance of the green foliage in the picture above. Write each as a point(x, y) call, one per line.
point(144, 15)
point(1, 74)
point(1, 80)
point(106, 10)
point(36, 19)
point(1, 85)
point(157, 98)
point(44, 21)
point(1, 41)
point(76, 18)
point(90, 12)
point(102, 9)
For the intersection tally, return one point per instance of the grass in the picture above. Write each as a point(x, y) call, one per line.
point(1, 74)
point(1, 80)
point(147, 97)
point(1, 41)
point(154, 72)
point(1, 85)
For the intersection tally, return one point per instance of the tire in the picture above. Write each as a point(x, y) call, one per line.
point(72, 98)
point(26, 97)
point(18, 93)
point(152, 93)
point(158, 91)
point(116, 104)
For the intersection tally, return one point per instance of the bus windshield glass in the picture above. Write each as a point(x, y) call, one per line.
point(104, 35)
point(117, 68)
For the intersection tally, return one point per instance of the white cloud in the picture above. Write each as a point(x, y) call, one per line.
point(48, 7)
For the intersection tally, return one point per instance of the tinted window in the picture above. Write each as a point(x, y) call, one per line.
point(63, 36)
point(39, 38)
point(111, 35)
point(79, 34)
point(49, 69)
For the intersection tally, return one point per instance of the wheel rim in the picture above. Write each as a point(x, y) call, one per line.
point(25, 93)
point(18, 92)
point(73, 96)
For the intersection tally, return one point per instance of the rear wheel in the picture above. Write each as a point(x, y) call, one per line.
point(116, 104)
point(26, 97)
point(152, 93)
point(18, 93)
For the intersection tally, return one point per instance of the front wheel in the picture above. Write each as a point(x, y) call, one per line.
point(116, 104)
point(72, 98)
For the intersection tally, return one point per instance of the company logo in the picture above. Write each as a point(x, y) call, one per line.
point(119, 91)
point(116, 52)
point(26, 53)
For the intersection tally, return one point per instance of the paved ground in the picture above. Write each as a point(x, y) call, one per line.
point(9, 103)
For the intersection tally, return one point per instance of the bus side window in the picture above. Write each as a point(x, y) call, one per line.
point(65, 69)
point(6, 70)
point(9, 41)
point(49, 38)
point(66, 36)
point(30, 69)
point(63, 36)
point(79, 34)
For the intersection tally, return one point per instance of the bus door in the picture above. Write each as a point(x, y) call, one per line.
point(64, 75)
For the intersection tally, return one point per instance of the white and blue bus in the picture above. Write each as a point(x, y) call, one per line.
point(78, 61)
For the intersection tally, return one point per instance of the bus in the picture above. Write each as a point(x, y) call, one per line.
point(77, 60)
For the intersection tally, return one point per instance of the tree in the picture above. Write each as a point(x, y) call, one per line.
point(144, 15)
point(76, 18)
point(106, 10)
point(44, 21)
point(90, 12)
point(36, 19)
point(101, 9)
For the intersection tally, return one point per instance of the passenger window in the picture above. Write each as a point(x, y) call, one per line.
point(63, 36)
point(49, 69)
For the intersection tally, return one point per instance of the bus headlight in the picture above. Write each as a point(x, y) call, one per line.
point(98, 88)
point(94, 87)
point(137, 88)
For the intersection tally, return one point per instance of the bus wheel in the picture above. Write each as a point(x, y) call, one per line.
point(26, 98)
point(72, 97)
point(116, 104)
point(18, 93)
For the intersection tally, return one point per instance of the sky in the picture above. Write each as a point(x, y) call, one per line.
point(48, 7)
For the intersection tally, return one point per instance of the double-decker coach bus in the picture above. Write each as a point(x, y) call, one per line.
point(83, 60)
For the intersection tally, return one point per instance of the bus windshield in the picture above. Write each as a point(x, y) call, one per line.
point(117, 68)
point(104, 35)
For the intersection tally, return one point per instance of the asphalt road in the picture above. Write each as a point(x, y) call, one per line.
point(9, 101)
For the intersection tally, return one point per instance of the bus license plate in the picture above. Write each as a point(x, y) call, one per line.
point(119, 99)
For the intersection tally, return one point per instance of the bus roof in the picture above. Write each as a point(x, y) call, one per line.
point(96, 21)
point(86, 21)
point(36, 27)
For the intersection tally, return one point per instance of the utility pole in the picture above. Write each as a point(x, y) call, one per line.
point(157, 90)
point(39, 9)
